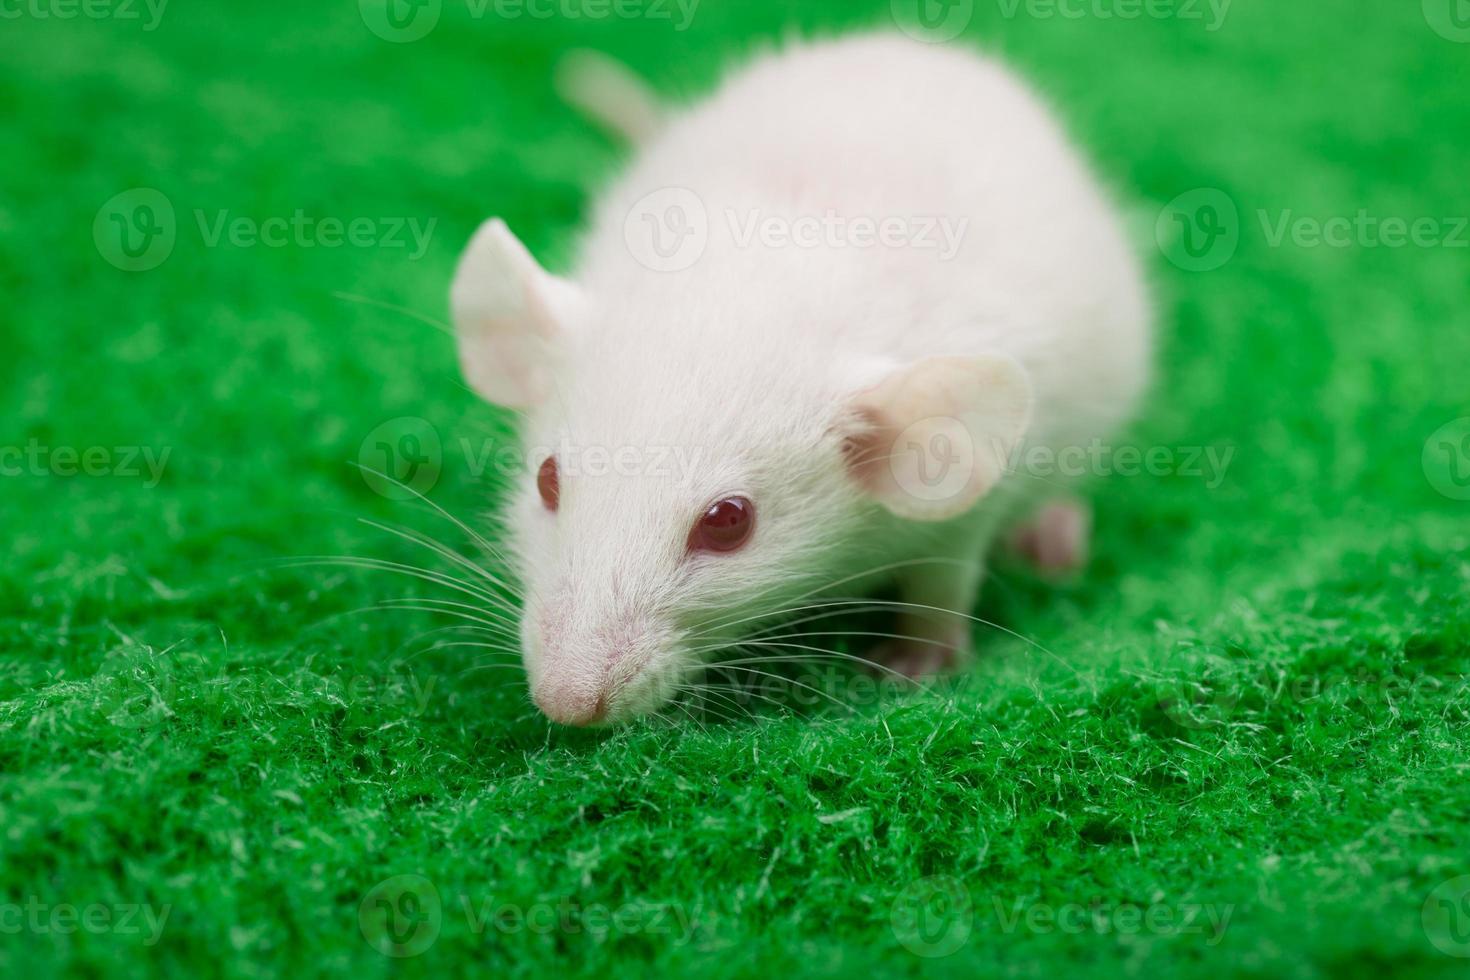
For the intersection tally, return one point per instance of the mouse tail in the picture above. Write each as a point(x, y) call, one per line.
point(609, 93)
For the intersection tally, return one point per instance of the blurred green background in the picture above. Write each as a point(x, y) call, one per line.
point(226, 234)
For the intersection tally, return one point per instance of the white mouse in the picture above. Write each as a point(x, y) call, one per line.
point(806, 334)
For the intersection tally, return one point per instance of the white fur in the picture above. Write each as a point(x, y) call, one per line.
point(766, 365)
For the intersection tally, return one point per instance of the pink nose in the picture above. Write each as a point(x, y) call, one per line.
point(570, 704)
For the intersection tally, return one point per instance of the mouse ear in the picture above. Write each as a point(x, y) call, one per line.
point(937, 435)
point(508, 315)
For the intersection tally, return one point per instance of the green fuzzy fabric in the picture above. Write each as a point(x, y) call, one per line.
point(1236, 746)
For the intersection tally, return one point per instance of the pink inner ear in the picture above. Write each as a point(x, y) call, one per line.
point(866, 449)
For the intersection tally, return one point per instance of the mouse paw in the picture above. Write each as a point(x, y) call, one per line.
point(918, 659)
point(1055, 540)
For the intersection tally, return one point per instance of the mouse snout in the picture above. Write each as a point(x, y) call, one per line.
point(596, 672)
point(567, 701)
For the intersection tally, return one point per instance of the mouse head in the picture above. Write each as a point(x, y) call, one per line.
point(682, 486)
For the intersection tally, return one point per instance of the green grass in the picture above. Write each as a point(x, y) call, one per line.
point(185, 724)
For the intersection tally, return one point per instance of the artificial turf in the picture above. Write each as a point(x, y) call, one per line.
point(1238, 745)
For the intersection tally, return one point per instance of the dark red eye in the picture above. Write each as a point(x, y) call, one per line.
point(548, 485)
point(725, 526)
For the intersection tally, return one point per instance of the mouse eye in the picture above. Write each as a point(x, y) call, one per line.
point(724, 527)
point(548, 485)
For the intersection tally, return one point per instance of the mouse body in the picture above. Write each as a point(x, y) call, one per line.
point(806, 336)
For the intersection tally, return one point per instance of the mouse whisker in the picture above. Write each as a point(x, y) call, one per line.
point(716, 625)
point(406, 606)
point(479, 667)
point(463, 628)
point(794, 683)
point(745, 691)
point(817, 653)
point(881, 604)
point(474, 535)
point(492, 647)
point(688, 714)
point(495, 614)
point(383, 564)
point(445, 551)
point(706, 705)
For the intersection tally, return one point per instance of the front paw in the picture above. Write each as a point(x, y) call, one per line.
point(917, 659)
point(1055, 539)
